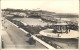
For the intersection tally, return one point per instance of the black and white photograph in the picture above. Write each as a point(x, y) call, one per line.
point(40, 24)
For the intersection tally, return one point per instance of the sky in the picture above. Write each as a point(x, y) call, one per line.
point(59, 6)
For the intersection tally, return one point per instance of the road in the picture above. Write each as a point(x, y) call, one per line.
point(18, 40)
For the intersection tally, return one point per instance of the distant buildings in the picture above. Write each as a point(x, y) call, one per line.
point(50, 16)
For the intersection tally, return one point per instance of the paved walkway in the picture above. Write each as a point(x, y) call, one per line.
point(66, 41)
point(6, 40)
point(49, 32)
